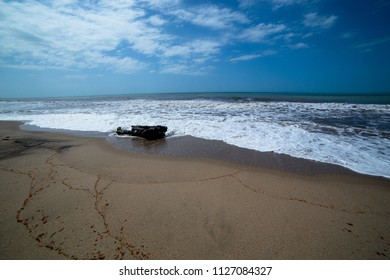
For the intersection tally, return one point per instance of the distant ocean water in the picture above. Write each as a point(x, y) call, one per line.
point(352, 130)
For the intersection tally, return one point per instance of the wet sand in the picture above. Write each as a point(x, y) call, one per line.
point(68, 197)
point(188, 146)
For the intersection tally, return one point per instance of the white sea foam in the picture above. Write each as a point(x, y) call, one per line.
point(354, 136)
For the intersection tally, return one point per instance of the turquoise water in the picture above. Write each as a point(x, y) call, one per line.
point(352, 98)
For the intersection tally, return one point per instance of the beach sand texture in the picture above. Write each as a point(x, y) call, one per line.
point(67, 197)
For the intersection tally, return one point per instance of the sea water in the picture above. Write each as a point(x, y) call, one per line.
point(348, 130)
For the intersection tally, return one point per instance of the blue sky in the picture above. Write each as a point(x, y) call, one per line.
point(70, 47)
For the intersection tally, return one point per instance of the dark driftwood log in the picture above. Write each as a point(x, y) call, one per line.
point(144, 131)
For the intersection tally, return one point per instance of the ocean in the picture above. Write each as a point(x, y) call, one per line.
point(351, 130)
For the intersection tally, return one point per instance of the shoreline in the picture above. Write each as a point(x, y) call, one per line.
point(193, 147)
point(68, 197)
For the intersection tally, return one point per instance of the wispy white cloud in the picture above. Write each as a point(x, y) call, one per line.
point(157, 20)
point(75, 77)
point(211, 16)
point(245, 57)
point(298, 46)
point(317, 21)
point(177, 50)
point(159, 4)
point(68, 35)
point(261, 31)
point(289, 36)
point(199, 47)
point(205, 47)
point(247, 3)
point(183, 68)
point(252, 56)
point(276, 4)
point(375, 42)
point(134, 35)
point(282, 3)
point(190, 58)
point(175, 68)
point(24, 66)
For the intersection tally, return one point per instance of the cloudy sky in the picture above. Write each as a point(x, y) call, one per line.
point(70, 47)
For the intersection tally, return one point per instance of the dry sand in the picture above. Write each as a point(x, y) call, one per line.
point(67, 197)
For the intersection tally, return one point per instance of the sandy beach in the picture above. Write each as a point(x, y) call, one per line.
point(70, 197)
